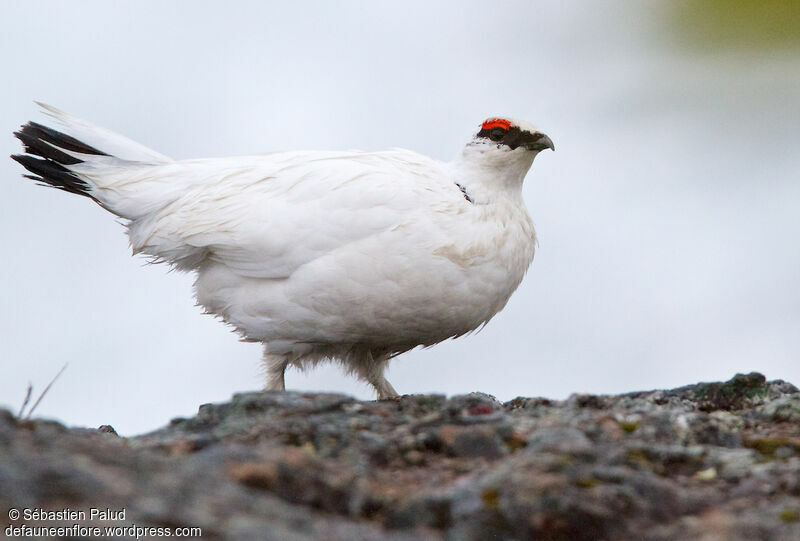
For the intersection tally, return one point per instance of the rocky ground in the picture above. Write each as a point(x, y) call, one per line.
point(712, 461)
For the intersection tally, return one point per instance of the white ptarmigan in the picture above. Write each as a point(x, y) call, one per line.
point(354, 257)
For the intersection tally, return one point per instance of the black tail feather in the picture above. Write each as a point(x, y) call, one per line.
point(36, 137)
point(52, 174)
point(42, 141)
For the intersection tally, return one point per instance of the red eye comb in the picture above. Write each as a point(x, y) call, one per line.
point(496, 123)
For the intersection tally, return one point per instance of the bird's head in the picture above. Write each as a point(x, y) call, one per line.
point(506, 144)
point(508, 135)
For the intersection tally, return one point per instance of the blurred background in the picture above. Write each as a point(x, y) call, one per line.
point(668, 217)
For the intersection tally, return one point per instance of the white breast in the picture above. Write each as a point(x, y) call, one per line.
point(443, 271)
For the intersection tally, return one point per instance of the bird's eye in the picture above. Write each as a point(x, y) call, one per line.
point(497, 134)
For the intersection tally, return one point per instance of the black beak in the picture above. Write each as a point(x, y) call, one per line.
point(538, 141)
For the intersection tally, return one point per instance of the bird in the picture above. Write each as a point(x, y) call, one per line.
point(345, 256)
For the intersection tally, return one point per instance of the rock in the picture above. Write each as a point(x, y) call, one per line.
point(560, 440)
point(707, 461)
point(475, 442)
point(785, 409)
point(108, 429)
point(743, 391)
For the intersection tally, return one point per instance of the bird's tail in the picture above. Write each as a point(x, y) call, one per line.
point(87, 160)
point(46, 157)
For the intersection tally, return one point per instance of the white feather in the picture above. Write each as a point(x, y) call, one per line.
point(101, 138)
point(344, 255)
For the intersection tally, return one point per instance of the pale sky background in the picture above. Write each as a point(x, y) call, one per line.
point(668, 217)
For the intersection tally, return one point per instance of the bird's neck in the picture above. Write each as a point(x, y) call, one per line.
point(490, 173)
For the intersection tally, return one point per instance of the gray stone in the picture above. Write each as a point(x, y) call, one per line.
point(785, 409)
point(707, 461)
point(559, 440)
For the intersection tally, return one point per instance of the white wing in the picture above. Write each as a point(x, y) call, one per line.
point(265, 216)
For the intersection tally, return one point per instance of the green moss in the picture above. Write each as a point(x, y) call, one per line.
point(518, 402)
point(430, 402)
point(491, 498)
point(629, 426)
point(515, 442)
point(587, 482)
point(637, 456)
point(737, 393)
point(292, 439)
point(560, 463)
point(790, 515)
point(768, 446)
point(758, 392)
point(765, 446)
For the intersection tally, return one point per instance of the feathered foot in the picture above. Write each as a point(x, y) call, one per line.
point(372, 372)
point(276, 367)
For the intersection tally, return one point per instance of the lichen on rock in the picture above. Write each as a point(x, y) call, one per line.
point(711, 460)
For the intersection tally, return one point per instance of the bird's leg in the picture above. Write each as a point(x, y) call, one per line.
point(385, 389)
point(276, 366)
point(373, 373)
